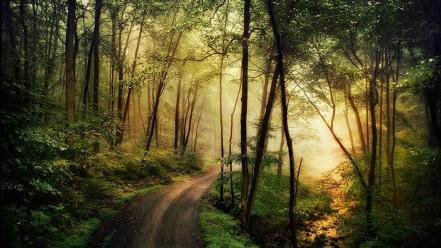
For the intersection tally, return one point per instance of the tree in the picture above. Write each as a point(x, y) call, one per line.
point(244, 108)
point(292, 181)
point(70, 62)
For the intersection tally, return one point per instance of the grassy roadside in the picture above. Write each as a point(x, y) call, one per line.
point(80, 234)
point(269, 216)
point(220, 229)
point(127, 180)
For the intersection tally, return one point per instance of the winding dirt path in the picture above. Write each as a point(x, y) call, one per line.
point(167, 218)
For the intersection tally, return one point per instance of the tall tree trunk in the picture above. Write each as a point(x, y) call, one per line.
point(358, 119)
point(9, 24)
point(178, 99)
point(230, 143)
point(268, 66)
point(120, 85)
point(221, 121)
point(260, 145)
point(380, 131)
point(96, 60)
point(367, 114)
point(24, 25)
point(281, 145)
point(132, 75)
point(348, 126)
point(70, 62)
point(373, 99)
point(113, 18)
point(244, 109)
point(197, 125)
point(51, 55)
point(172, 51)
point(87, 75)
point(292, 186)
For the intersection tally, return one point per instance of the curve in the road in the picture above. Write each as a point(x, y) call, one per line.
point(166, 219)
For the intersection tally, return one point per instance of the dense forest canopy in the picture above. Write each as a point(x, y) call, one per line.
point(301, 103)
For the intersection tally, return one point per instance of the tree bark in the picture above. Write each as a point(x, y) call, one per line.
point(348, 126)
point(172, 51)
point(70, 62)
point(221, 122)
point(27, 82)
point(178, 99)
point(244, 108)
point(230, 140)
point(292, 186)
point(358, 119)
point(96, 60)
point(132, 75)
point(260, 145)
point(373, 99)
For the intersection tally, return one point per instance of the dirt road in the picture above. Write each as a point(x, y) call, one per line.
point(167, 218)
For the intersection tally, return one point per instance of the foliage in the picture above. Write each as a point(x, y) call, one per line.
point(220, 229)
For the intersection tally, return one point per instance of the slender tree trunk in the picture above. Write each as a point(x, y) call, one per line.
point(132, 75)
point(367, 114)
point(260, 145)
point(113, 18)
point(197, 125)
point(178, 99)
point(24, 25)
point(159, 90)
point(348, 126)
point(120, 71)
point(292, 186)
point(51, 56)
point(230, 143)
point(70, 63)
point(221, 121)
point(9, 24)
point(392, 151)
point(268, 66)
point(96, 60)
point(380, 132)
point(373, 99)
point(358, 119)
point(244, 108)
point(281, 145)
point(87, 75)
point(298, 175)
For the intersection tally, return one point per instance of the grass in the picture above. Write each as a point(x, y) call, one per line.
point(270, 207)
point(79, 235)
point(221, 229)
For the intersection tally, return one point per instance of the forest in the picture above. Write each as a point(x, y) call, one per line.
point(220, 123)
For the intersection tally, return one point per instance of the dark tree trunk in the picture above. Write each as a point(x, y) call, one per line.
point(221, 121)
point(358, 119)
point(281, 145)
point(24, 25)
point(196, 135)
point(178, 99)
point(348, 126)
point(96, 60)
point(70, 62)
point(9, 24)
point(260, 145)
point(283, 102)
point(132, 75)
point(244, 109)
point(162, 81)
point(373, 99)
point(230, 143)
point(51, 55)
point(87, 75)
